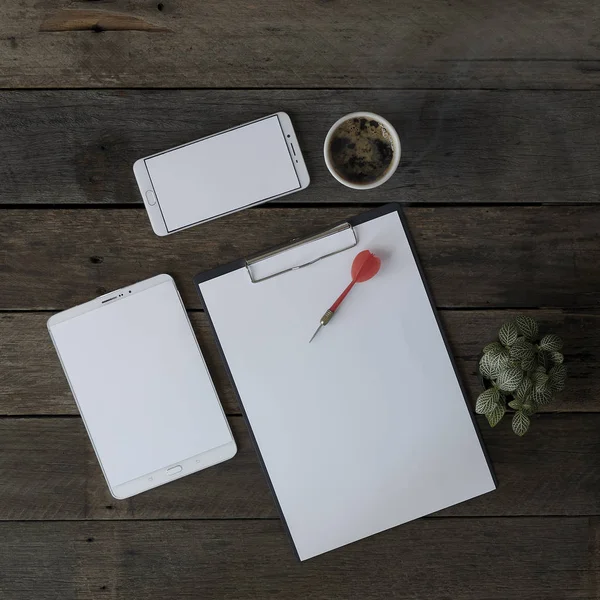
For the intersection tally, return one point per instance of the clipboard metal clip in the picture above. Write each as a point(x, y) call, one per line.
point(320, 248)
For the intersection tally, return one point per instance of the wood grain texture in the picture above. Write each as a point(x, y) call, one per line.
point(462, 44)
point(468, 146)
point(503, 110)
point(32, 382)
point(437, 559)
point(49, 472)
point(472, 256)
point(81, 19)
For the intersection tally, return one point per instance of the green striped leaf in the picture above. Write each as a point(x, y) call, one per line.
point(541, 395)
point(494, 348)
point(557, 377)
point(527, 327)
point(510, 378)
point(496, 415)
point(498, 353)
point(521, 349)
point(508, 334)
point(501, 359)
point(544, 360)
point(529, 362)
point(488, 367)
point(525, 388)
point(520, 423)
point(557, 358)
point(526, 406)
point(528, 409)
point(487, 401)
point(551, 343)
point(539, 379)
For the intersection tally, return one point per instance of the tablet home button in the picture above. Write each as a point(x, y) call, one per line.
point(151, 197)
point(174, 470)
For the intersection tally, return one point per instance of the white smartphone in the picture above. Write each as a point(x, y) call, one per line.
point(142, 387)
point(222, 173)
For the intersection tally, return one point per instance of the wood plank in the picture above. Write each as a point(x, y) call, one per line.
point(434, 559)
point(32, 382)
point(49, 472)
point(464, 44)
point(468, 146)
point(473, 256)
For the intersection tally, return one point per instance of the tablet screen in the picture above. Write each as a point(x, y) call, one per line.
point(222, 173)
point(141, 383)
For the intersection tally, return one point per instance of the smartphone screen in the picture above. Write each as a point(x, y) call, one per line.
point(222, 173)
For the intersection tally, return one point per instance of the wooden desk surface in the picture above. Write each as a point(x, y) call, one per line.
point(498, 109)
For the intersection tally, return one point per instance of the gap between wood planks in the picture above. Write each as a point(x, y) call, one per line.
point(295, 89)
point(32, 417)
point(209, 519)
point(587, 311)
point(301, 205)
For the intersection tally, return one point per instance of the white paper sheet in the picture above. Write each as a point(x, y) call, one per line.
point(366, 427)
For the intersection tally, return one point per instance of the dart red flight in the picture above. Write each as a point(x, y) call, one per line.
point(364, 266)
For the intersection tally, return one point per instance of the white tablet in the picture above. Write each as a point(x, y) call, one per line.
point(142, 386)
point(221, 174)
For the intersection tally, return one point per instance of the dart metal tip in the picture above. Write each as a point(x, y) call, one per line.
point(315, 333)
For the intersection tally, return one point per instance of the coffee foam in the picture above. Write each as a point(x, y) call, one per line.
point(361, 150)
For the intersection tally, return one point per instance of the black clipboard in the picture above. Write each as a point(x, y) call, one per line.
point(247, 264)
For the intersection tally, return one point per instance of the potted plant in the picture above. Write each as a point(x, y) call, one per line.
point(521, 371)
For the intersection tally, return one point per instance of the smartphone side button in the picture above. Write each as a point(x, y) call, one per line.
point(151, 197)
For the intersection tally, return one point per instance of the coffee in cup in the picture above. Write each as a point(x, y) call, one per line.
point(362, 150)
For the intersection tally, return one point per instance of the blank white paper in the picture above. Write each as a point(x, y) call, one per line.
point(366, 427)
point(222, 173)
point(141, 383)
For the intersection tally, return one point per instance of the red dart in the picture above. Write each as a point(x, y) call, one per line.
point(364, 266)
